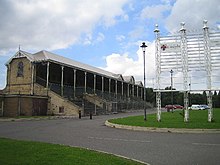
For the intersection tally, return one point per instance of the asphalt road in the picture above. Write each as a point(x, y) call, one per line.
point(154, 148)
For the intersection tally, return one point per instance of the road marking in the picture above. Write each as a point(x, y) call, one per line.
point(206, 144)
point(116, 139)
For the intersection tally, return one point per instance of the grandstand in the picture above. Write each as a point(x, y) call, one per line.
point(48, 84)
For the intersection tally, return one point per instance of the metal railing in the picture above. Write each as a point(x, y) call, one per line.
point(117, 102)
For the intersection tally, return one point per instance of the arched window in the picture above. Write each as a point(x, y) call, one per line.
point(20, 69)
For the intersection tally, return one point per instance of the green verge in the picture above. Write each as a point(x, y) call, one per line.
point(14, 152)
point(198, 119)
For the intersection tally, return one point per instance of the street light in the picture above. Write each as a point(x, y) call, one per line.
point(171, 76)
point(143, 46)
point(189, 92)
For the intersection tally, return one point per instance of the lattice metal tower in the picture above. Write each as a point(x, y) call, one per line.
point(184, 56)
point(192, 52)
point(158, 71)
point(208, 68)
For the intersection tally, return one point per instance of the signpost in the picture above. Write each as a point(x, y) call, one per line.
point(186, 52)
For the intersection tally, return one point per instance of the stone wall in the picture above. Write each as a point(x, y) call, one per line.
point(57, 105)
point(10, 108)
point(40, 90)
point(1, 104)
point(61, 106)
point(21, 84)
point(22, 105)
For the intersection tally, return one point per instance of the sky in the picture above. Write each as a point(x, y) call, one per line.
point(102, 33)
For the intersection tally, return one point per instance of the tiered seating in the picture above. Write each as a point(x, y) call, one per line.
point(109, 103)
point(98, 103)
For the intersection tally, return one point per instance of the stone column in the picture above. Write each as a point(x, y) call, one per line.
point(32, 78)
point(74, 83)
point(133, 90)
point(94, 85)
point(122, 90)
point(8, 77)
point(62, 69)
point(128, 90)
point(48, 70)
point(85, 82)
point(102, 85)
point(116, 88)
point(109, 86)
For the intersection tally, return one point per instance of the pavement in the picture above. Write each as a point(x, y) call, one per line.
point(153, 129)
point(118, 126)
point(7, 119)
point(155, 148)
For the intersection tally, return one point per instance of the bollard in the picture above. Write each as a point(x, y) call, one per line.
point(79, 114)
point(90, 114)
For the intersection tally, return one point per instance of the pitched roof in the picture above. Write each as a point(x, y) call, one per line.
point(139, 83)
point(48, 56)
point(20, 54)
point(129, 79)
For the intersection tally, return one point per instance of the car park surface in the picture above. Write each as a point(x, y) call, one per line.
point(151, 147)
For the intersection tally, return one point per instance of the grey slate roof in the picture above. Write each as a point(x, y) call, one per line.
point(48, 56)
point(129, 79)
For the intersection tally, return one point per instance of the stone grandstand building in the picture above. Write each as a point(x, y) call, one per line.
point(48, 84)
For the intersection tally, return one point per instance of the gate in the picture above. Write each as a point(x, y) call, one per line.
point(39, 107)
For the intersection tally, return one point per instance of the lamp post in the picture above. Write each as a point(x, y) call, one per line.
point(189, 94)
point(171, 80)
point(143, 46)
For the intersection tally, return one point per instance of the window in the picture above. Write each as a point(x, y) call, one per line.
point(61, 109)
point(20, 69)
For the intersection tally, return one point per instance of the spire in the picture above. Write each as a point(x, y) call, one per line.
point(19, 50)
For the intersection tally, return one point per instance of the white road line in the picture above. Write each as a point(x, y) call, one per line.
point(115, 139)
point(206, 144)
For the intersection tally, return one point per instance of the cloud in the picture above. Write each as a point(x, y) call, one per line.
point(137, 32)
point(127, 66)
point(54, 24)
point(193, 12)
point(155, 12)
point(120, 38)
point(3, 77)
point(89, 39)
point(100, 37)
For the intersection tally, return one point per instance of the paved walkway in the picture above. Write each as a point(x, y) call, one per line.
point(155, 148)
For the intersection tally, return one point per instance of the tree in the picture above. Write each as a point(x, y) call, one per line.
point(194, 98)
point(218, 100)
point(197, 98)
point(204, 97)
point(165, 97)
point(150, 95)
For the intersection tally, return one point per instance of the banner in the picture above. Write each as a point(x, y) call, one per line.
point(170, 47)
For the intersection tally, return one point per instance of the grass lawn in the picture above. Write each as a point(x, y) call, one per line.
point(34, 153)
point(198, 119)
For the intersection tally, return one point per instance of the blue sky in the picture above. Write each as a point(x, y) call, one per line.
point(101, 33)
